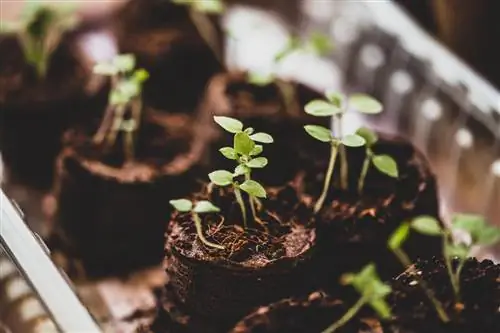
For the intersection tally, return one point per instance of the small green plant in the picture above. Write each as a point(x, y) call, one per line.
point(480, 235)
point(373, 293)
point(39, 30)
point(124, 104)
point(201, 207)
point(335, 106)
point(384, 163)
point(245, 152)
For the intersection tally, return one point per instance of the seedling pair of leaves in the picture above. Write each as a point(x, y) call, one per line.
point(125, 96)
point(481, 234)
point(336, 106)
point(245, 153)
point(373, 293)
point(40, 30)
point(201, 207)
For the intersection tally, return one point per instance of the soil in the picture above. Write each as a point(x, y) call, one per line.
point(361, 224)
point(166, 43)
point(480, 292)
point(265, 109)
point(309, 315)
point(35, 113)
point(112, 215)
point(257, 266)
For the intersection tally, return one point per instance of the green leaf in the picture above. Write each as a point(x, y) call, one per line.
point(209, 6)
point(258, 162)
point(387, 165)
point(456, 250)
point(117, 98)
point(241, 170)
point(334, 97)
point(488, 236)
point(320, 43)
point(229, 153)
point(229, 124)
point(321, 108)
point(319, 132)
point(141, 75)
point(204, 206)
point(353, 140)
point(105, 68)
point(253, 188)
point(182, 205)
point(381, 307)
point(256, 150)
point(243, 144)
point(427, 225)
point(221, 177)
point(399, 236)
point(262, 138)
point(365, 104)
point(367, 134)
point(260, 79)
point(249, 131)
point(471, 223)
point(124, 62)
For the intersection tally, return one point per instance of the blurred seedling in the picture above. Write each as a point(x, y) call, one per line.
point(124, 109)
point(40, 29)
point(373, 293)
point(201, 207)
point(245, 153)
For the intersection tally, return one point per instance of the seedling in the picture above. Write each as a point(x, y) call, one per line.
point(124, 104)
point(39, 30)
point(245, 152)
point(373, 293)
point(384, 163)
point(201, 207)
point(480, 235)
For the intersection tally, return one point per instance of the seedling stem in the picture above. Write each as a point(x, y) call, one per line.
point(334, 148)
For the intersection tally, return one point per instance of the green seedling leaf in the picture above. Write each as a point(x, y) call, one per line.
point(262, 138)
point(229, 153)
point(249, 131)
point(319, 132)
point(256, 150)
point(124, 62)
point(320, 44)
point(229, 124)
point(456, 250)
point(204, 206)
point(241, 170)
point(260, 79)
point(117, 98)
point(221, 177)
point(471, 223)
point(365, 104)
point(182, 205)
point(253, 188)
point(427, 225)
point(381, 307)
point(209, 6)
point(243, 144)
point(258, 162)
point(353, 140)
point(387, 165)
point(141, 75)
point(335, 97)
point(105, 68)
point(128, 89)
point(367, 134)
point(399, 236)
point(488, 236)
point(321, 108)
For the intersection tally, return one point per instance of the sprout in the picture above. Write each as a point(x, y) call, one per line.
point(124, 97)
point(201, 207)
point(384, 163)
point(40, 30)
point(245, 153)
point(480, 235)
point(373, 293)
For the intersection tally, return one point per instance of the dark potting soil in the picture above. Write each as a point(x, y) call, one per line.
point(480, 299)
point(353, 229)
point(256, 267)
point(34, 113)
point(265, 109)
point(112, 215)
point(309, 315)
point(166, 42)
